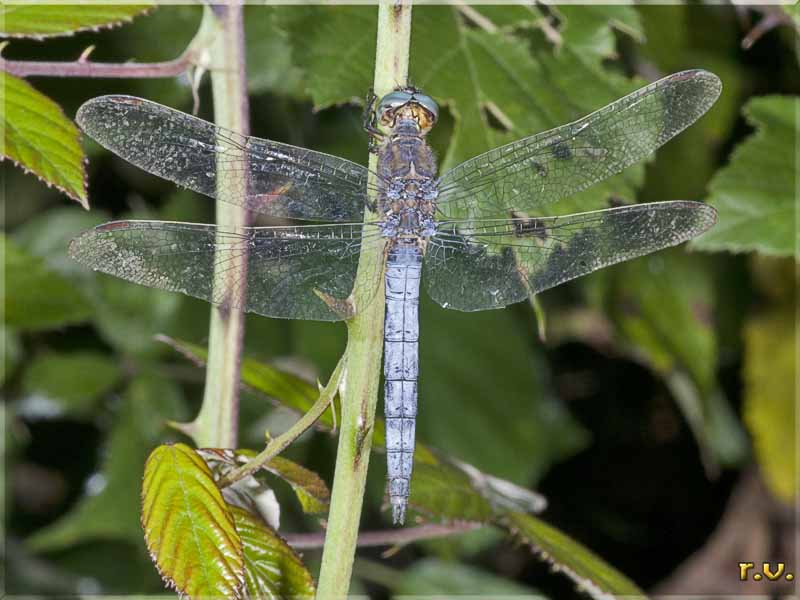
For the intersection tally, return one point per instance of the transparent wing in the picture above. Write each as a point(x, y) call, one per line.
point(555, 164)
point(478, 265)
point(292, 272)
point(284, 180)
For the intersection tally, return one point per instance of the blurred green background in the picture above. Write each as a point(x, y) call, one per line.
point(664, 386)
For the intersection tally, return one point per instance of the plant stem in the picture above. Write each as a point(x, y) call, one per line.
point(216, 424)
point(279, 444)
point(365, 337)
point(86, 68)
point(386, 537)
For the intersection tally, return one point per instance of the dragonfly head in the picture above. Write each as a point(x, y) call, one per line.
point(408, 103)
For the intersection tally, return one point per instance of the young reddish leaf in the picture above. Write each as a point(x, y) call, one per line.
point(46, 21)
point(440, 488)
point(311, 490)
point(593, 575)
point(188, 528)
point(273, 570)
point(38, 137)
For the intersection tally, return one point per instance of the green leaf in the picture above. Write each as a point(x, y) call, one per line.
point(39, 21)
point(273, 569)
point(126, 316)
point(268, 47)
point(444, 492)
point(755, 194)
point(505, 17)
point(110, 508)
point(494, 383)
point(47, 235)
point(40, 139)
point(474, 72)
point(592, 575)
point(663, 306)
point(335, 72)
point(310, 489)
point(69, 383)
point(477, 496)
point(34, 296)
point(769, 405)
point(434, 577)
point(188, 528)
point(589, 29)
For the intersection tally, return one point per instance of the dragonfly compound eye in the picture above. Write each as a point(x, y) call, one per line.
point(392, 101)
point(408, 104)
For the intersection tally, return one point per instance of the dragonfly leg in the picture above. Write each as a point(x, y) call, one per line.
point(370, 122)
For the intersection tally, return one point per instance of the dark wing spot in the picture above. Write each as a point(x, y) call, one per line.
point(561, 151)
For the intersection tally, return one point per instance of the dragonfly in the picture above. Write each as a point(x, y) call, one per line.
point(472, 234)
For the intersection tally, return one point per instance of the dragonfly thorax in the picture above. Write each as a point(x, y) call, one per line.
point(408, 222)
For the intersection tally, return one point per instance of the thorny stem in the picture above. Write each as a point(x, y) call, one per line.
point(216, 425)
point(86, 68)
point(365, 336)
point(386, 537)
point(280, 443)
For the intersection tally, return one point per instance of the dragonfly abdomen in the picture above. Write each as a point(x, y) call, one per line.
point(401, 368)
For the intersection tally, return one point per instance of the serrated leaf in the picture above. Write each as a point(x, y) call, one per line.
point(188, 528)
point(272, 568)
point(479, 497)
point(58, 384)
point(755, 194)
point(39, 21)
point(335, 72)
point(36, 297)
point(110, 508)
point(38, 137)
point(474, 72)
point(444, 492)
point(310, 489)
point(592, 575)
point(769, 406)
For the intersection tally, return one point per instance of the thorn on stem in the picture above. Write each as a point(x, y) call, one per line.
point(84, 57)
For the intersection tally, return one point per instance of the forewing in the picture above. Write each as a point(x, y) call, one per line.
point(482, 265)
point(292, 272)
point(546, 167)
point(284, 180)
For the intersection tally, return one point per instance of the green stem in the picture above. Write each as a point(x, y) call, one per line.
point(364, 349)
point(280, 443)
point(216, 424)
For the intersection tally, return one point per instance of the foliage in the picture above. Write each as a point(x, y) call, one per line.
point(770, 374)
point(46, 21)
point(755, 193)
point(40, 139)
point(500, 412)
